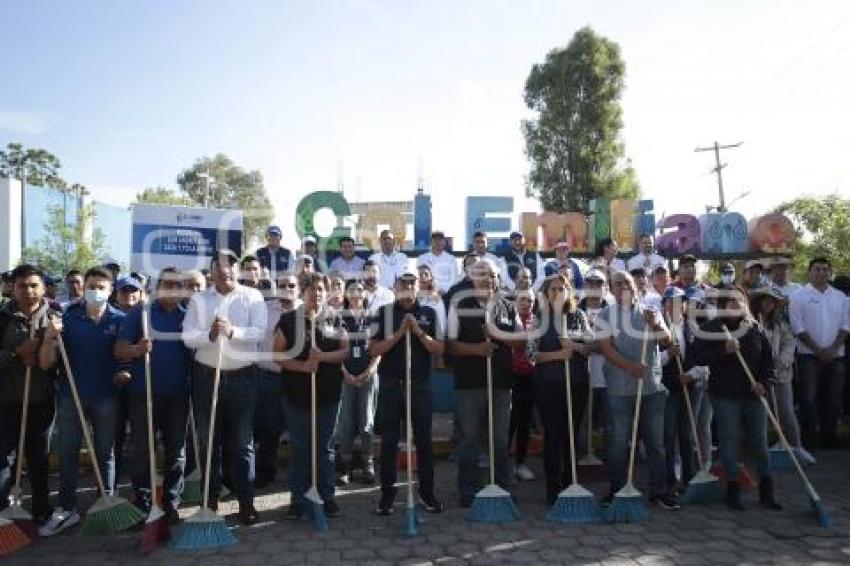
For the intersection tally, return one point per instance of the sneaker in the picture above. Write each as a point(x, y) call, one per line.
point(524, 473)
point(666, 502)
point(332, 510)
point(294, 512)
point(58, 522)
point(343, 479)
point(385, 505)
point(430, 503)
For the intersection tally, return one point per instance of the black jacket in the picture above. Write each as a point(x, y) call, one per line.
point(14, 329)
point(728, 379)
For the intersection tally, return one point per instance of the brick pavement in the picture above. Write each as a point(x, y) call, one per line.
point(694, 535)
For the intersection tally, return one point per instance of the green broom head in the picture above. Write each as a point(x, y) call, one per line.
point(493, 505)
point(627, 507)
point(12, 538)
point(575, 506)
point(202, 530)
point(315, 508)
point(109, 515)
point(704, 487)
point(192, 488)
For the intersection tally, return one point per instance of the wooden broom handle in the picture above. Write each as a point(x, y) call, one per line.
point(23, 429)
point(408, 408)
point(149, 402)
point(688, 405)
point(637, 407)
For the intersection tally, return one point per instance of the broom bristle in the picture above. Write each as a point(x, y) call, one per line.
point(703, 488)
point(493, 505)
point(12, 538)
point(316, 509)
point(202, 530)
point(22, 519)
point(110, 515)
point(411, 520)
point(575, 506)
point(627, 507)
point(156, 531)
point(824, 518)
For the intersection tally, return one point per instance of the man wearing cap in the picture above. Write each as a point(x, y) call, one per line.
point(687, 279)
point(518, 256)
point(310, 249)
point(442, 263)
point(752, 275)
point(646, 294)
point(646, 258)
point(393, 321)
point(230, 317)
point(391, 262)
point(779, 277)
point(820, 319)
point(347, 263)
point(727, 275)
point(562, 258)
point(273, 256)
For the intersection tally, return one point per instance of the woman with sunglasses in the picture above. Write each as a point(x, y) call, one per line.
point(563, 336)
point(359, 388)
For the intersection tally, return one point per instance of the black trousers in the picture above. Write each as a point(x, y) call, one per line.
point(522, 405)
point(39, 423)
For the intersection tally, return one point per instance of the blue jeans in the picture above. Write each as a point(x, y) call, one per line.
point(729, 415)
point(391, 404)
point(820, 398)
point(357, 416)
point(234, 424)
point(101, 414)
point(471, 415)
point(621, 412)
point(170, 415)
point(298, 419)
point(678, 434)
point(268, 422)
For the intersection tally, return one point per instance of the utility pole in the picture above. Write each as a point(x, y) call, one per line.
point(718, 168)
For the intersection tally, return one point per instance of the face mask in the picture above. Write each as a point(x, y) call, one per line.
point(727, 278)
point(710, 312)
point(97, 297)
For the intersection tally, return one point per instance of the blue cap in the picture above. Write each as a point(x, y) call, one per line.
point(273, 231)
point(672, 292)
point(128, 282)
point(516, 234)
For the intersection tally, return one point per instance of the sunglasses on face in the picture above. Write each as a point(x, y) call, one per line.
point(288, 285)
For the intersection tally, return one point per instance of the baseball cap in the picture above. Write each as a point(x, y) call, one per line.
point(515, 235)
point(227, 253)
point(125, 282)
point(782, 260)
point(660, 269)
point(308, 240)
point(596, 274)
point(672, 292)
point(687, 258)
point(754, 263)
point(437, 234)
point(727, 268)
point(408, 275)
point(562, 244)
point(766, 291)
point(273, 231)
point(637, 271)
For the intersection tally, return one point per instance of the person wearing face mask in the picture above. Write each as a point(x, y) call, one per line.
point(89, 330)
point(735, 400)
point(727, 275)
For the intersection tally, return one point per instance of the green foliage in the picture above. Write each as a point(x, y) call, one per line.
point(823, 227)
point(229, 186)
point(574, 142)
point(161, 195)
point(39, 166)
point(67, 245)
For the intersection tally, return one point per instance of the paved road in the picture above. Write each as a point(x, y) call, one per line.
point(694, 535)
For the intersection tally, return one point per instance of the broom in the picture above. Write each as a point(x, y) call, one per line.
point(575, 505)
point(156, 527)
point(411, 517)
point(814, 499)
point(315, 505)
point(205, 529)
point(109, 514)
point(15, 511)
point(779, 460)
point(627, 506)
point(192, 490)
point(12, 538)
point(590, 458)
point(492, 504)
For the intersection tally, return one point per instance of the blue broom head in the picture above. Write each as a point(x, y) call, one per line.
point(780, 461)
point(411, 520)
point(109, 515)
point(202, 530)
point(704, 487)
point(575, 506)
point(824, 519)
point(804, 457)
point(315, 507)
point(493, 505)
point(627, 507)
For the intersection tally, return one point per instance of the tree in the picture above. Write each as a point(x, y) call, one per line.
point(67, 245)
point(823, 229)
point(161, 195)
point(574, 142)
point(229, 186)
point(39, 166)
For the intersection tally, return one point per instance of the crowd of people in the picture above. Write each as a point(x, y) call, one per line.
point(269, 321)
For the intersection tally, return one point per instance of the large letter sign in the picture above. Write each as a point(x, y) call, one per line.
point(477, 210)
point(684, 239)
point(306, 211)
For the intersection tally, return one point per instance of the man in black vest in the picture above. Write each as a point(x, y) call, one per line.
point(273, 256)
point(518, 256)
point(473, 336)
point(393, 321)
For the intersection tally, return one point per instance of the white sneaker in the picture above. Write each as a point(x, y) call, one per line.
point(58, 522)
point(524, 473)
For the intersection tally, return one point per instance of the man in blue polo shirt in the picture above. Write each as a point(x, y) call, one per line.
point(89, 330)
point(170, 361)
point(393, 322)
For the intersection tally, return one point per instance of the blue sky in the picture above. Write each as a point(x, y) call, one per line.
point(129, 94)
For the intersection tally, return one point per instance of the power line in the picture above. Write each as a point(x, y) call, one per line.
point(718, 168)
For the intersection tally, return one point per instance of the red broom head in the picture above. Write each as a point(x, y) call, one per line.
point(12, 538)
point(156, 533)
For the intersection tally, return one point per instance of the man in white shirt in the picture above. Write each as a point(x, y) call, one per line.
point(226, 323)
point(376, 294)
point(778, 269)
point(442, 263)
point(820, 319)
point(646, 259)
point(347, 264)
point(392, 263)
